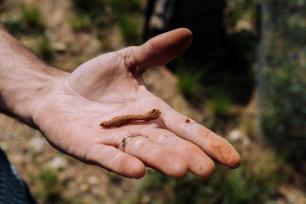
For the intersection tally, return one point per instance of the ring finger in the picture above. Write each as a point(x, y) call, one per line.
point(198, 161)
point(156, 156)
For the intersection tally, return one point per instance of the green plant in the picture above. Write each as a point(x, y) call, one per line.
point(31, 18)
point(102, 14)
point(284, 110)
point(220, 105)
point(43, 48)
point(237, 10)
point(124, 7)
point(49, 191)
point(129, 17)
point(29, 22)
point(49, 178)
point(189, 84)
point(129, 27)
point(190, 81)
point(91, 11)
point(114, 178)
point(80, 23)
point(283, 83)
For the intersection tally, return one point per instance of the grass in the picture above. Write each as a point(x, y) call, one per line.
point(49, 178)
point(88, 6)
point(189, 84)
point(130, 28)
point(124, 7)
point(220, 105)
point(32, 18)
point(114, 179)
point(93, 11)
point(43, 48)
point(190, 81)
point(80, 23)
point(102, 15)
point(48, 187)
point(29, 22)
point(283, 118)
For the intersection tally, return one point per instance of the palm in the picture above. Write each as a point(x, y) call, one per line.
point(110, 86)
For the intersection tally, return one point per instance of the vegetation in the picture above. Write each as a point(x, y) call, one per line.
point(284, 96)
point(82, 23)
point(49, 189)
point(31, 18)
point(129, 28)
point(43, 48)
point(284, 111)
point(189, 83)
point(30, 21)
point(126, 15)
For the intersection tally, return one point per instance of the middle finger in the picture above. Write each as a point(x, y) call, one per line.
point(198, 161)
point(156, 156)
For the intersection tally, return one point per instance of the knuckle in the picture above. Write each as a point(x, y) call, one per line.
point(150, 47)
point(155, 153)
point(133, 168)
point(178, 168)
point(161, 138)
point(208, 169)
point(192, 149)
point(90, 155)
point(120, 161)
point(129, 166)
point(137, 143)
point(128, 56)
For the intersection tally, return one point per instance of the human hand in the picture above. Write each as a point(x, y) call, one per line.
point(111, 85)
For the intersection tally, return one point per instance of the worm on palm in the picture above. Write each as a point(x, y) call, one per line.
point(118, 121)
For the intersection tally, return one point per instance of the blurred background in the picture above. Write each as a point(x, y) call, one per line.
point(244, 77)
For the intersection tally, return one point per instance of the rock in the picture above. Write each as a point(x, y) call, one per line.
point(292, 194)
point(93, 180)
point(96, 191)
point(37, 144)
point(236, 135)
point(57, 163)
point(84, 187)
point(59, 46)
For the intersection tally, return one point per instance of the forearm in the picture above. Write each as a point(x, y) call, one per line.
point(24, 79)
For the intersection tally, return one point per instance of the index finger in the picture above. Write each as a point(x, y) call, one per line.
point(215, 146)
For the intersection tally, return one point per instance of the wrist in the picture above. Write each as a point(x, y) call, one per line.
point(22, 101)
point(25, 80)
point(46, 85)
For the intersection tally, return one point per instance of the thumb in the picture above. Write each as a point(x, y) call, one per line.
point(158, 50)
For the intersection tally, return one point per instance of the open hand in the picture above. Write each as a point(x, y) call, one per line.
point(111, 85)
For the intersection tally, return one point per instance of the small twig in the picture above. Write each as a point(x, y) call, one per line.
point(122, 120)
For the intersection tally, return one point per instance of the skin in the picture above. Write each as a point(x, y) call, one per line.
point(69, 107)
